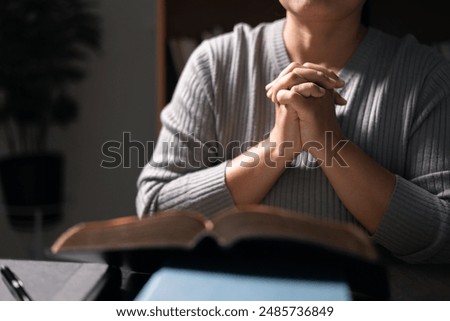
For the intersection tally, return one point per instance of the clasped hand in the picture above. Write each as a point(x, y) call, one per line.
point(304, 96)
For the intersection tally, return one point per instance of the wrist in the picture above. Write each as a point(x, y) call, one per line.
point(281, 151)
point(328, 150)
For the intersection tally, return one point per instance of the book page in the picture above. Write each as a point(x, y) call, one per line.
point(254, 222)
point(170, 229)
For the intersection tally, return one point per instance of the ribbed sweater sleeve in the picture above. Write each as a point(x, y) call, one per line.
point(185, 171)
point(416, 225)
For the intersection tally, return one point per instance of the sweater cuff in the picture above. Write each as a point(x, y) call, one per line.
point(406, 228)
point(204, 191)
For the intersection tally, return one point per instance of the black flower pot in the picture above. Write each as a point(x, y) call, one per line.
point(33, 183)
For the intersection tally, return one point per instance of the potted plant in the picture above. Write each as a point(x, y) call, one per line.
point(44, 45)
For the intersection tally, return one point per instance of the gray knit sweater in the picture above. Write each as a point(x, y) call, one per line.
point(398, 112)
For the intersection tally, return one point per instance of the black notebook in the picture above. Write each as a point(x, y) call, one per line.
point(61, 281)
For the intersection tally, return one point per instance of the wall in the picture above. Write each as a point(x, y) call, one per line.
point(425, 20)
point(118, 96)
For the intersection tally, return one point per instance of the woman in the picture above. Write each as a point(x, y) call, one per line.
point(379, 158)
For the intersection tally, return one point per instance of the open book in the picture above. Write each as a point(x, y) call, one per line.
point(253, 240)
point(184, 230)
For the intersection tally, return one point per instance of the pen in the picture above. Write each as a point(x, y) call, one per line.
point(14, 284)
